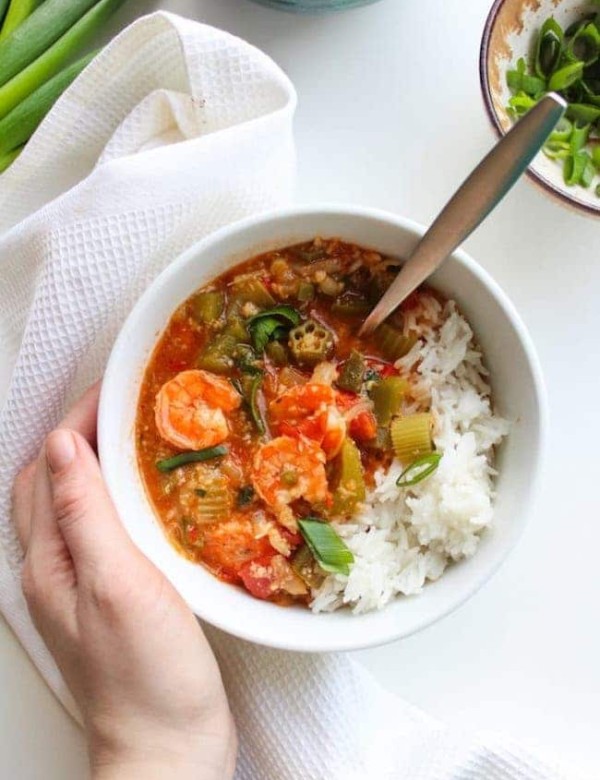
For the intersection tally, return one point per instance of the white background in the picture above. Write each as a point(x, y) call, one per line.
point(391, 115)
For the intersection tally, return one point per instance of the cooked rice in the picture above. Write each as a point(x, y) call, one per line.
point(403, 538)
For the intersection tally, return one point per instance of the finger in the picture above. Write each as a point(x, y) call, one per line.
point(83, 416)
point(49, 581)
point(49, 574)
point(85, 514)
point(22, 502)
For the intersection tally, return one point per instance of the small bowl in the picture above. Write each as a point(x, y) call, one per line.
point(509, 34)
point(518, 394)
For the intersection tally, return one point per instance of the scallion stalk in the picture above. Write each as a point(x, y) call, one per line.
point(17, 127)
point(195, 456)
point(3, 7)
point(17, 12)
point(327, 547)
point(37, 33)
point(255, 411)
point(419, 469)
point(53, 59)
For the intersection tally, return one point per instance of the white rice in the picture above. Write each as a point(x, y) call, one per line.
point(403, 538)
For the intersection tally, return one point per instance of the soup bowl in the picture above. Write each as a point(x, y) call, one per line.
point(517, 390)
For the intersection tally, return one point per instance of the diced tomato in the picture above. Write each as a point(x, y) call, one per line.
point(388, 370)
point(293, 538)
point(383, 369)
point(258, 577)
point(286, 429)
point(231, 544)
point(314, 427)
point(363, 427)
point(267, 576)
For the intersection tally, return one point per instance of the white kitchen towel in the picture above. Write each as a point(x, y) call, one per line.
point(175, 129)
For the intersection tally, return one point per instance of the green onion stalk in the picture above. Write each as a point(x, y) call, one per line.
point(53, 59)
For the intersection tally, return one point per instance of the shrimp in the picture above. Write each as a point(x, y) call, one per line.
point(287, 468)
point(190, 408)
point(310, 410)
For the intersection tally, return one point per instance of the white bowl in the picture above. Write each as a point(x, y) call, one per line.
point(509, 34)
point(518, 393)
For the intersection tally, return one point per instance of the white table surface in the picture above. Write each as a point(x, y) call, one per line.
point(390, 115)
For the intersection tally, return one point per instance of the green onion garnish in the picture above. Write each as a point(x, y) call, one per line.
point(328, 549)
point(567, 62)
point(196, 456)
point(549, 48)
point(419, 469)
point(255, 411)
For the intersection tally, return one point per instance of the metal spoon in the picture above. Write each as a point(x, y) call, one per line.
point(472, 202)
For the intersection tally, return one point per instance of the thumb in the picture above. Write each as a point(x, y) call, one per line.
point(84, 512)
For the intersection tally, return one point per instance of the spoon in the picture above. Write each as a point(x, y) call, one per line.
point(478, 195)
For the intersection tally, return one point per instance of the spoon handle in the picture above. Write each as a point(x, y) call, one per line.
point(472, 202)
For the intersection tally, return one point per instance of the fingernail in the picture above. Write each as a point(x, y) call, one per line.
point(60, 450)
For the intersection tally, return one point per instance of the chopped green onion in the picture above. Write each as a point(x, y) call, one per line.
point(549, 48)
point(568, 63)
point(585, 44)
point(589, 172)
point(583, 112)
point(195, 456)
point(520, 81)
point(419, 469)
point(562, 131)
point(327, 547)
point(557, 150)
point(255, 412)
point(520, 104)
point(565, 76)
point(574, 168)
point(574, 26)
point(579, 137)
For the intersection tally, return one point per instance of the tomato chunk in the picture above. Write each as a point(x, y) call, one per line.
point(269, 575)
point(258, 577)
point(363, 427)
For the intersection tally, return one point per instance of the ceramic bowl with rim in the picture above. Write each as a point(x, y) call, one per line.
point(518, 395)
point(510, 33)
point(314, 6)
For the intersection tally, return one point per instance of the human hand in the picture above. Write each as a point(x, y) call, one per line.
point(129, 648)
